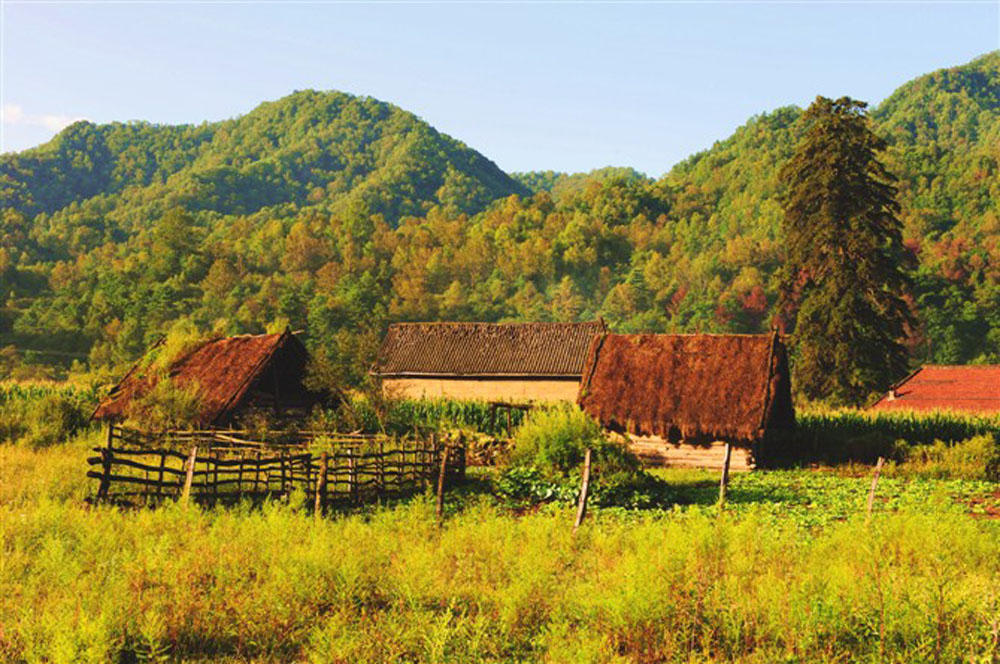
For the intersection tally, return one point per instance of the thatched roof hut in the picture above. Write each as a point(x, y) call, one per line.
point(969, 389)
point(232, 375)
point(698, 387)
point(491, 361)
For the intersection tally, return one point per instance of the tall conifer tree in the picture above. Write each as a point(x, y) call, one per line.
point(844, 279)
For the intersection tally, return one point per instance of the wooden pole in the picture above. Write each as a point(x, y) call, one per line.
point(239, 477)
point(189, 474)
point(321, 486)
point(429, 459)
point(724, 482)
point(282, 466)
point(106, 456)
point(256, 475)
point(380, 468)
point(159, 479)
point(871, 491)
point(352, 475)
point(581, 508)
point(440, 487)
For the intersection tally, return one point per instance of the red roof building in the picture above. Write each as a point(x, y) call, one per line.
point(971, 389)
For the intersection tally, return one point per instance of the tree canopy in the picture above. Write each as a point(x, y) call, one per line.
point(340, 214)
point(843, 276)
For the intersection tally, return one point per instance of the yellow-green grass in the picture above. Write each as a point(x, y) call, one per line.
point(758, 583)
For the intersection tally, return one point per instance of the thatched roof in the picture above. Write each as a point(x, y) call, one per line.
point(224, 370)
point(486, 349)
point(693, 387)
point(971, 389)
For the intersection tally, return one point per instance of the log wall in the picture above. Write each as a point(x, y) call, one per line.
point(659, 453)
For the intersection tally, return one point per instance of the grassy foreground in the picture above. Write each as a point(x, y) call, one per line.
point(790, 572)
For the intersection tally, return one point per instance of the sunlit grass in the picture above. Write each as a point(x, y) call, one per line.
point(789, 571)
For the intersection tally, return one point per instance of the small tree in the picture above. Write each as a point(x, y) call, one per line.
point(844, 281)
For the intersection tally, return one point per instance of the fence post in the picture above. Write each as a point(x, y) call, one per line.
point(871, 492)
point(352, 475)
point(581, 508)
point(380, 468)
point(106, 456)
point(215, 474)
point(159, 479)
point(189, 474)
point(443, 451)
point(429, 458)
point(239, 477)
point(321, 487)
point(282, 466)
point(724, 482)
point(256, 475)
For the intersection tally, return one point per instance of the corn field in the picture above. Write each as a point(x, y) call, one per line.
point(11, 390)
point(834, 436)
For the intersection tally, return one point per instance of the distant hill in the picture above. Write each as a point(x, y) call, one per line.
point(327, 150)
point(562, 185)
point(337, 214)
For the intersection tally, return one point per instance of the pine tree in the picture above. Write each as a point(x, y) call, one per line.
point(844, 278)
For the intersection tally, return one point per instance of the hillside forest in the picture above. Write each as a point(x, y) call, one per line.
point(337, 214)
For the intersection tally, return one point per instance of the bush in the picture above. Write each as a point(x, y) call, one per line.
point(554, 439)
point(976, 458)
point(548, 450)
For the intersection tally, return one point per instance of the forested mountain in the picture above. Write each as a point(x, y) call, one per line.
point(339, 214)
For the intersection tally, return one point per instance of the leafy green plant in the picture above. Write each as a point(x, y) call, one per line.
point(554, 439)
point(166, 406)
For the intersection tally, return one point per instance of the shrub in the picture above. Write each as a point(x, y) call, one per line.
point(554, 439)
point(976, 458)
point(550, 446)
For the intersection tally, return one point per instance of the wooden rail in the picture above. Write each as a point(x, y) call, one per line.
point(226, 468)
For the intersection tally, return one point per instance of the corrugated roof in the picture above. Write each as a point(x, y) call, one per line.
point(486, 349)
point(974, 389)
point(705, 386)
point(224, 369)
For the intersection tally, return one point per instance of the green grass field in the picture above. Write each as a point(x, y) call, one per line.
point(789, 571)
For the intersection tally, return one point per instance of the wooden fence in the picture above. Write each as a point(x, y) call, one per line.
point(227, 466)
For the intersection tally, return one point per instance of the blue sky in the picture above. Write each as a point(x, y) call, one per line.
point(533, 86)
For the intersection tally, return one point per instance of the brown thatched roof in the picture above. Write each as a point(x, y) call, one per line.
point(486, 349)
point(696, 387)
point(224, 371)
